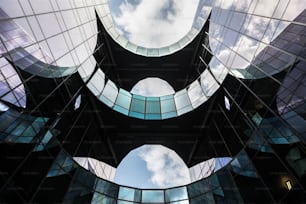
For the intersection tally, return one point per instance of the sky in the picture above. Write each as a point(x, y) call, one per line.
point(152, 166)
point(152, 86)
point(155, 23)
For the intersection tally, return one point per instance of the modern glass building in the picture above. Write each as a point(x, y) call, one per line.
point(68, 116)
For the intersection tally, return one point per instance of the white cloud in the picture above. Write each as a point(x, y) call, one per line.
point(152, 86)
point(156, 23)
point(167, 168)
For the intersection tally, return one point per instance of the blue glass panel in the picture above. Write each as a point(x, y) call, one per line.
point(10, 117)
point(138, 104)
point(19, 129)
point(106, 188)
point(137, 115)
point(102, 199)
point(242, 165)
point(176, 194)
point(169, 115)
point(259, 143)
point(24, 139)
point(181, 202)
point(57, 167)
point(124, 99)
point(221, 162)
point(30, 131)
point(153, 196)
point(125, 202)
point(218, 191)
point(121, 110)
point(166, 97)
point(167, 105)
point(129, 194)
point(198, 188)
point(151, 116)
point(139, 97)
point(206, 198)
point(153, 105)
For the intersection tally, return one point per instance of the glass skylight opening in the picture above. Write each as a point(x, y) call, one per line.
point(152, 166)
point(153, 24)
point(144, 27)
point(158, 167)
point(152, 86)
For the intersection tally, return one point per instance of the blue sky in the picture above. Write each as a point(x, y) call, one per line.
point(166, 20)
point(152, 86)
point(152, 166)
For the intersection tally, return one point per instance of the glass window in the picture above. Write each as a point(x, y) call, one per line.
point(152, 105)
point(208, 83)
point(203, 199)
point(124, 99)
point(182, 102)
point(131, 46)
point(181, 202)
point(167, 104)
point(153, 196)
point(129, 194)
point(176, 194)
point(102, 199)
point(125, 202)
point(142, 50)
point(152, 52)
point(196, 95)
point(137, 108)
point(168, 108)
point(109, 93)
point(106, 188)
point(164, 51)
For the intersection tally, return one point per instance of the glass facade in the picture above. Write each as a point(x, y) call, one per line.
point(63, 111)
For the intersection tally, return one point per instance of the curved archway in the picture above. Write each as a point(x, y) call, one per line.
point(152, 166)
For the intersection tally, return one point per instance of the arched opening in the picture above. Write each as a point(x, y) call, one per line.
point(152, 166)
point(153, 24)
point(152, 86)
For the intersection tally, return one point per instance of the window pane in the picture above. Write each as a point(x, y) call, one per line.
point(152, 196)
point(129, 194)
point(176, 194)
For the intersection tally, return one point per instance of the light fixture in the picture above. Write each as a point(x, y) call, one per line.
point(288, 184)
